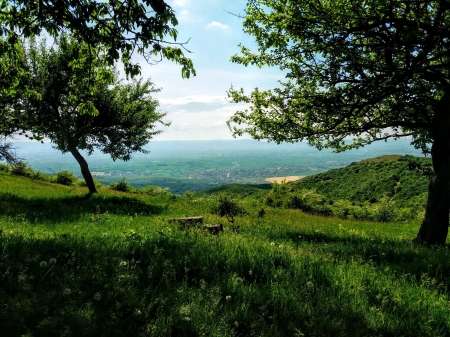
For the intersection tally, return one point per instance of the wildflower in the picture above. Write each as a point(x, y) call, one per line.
point(309, 284)
point(67, 291)
point(272, 243)
point(52, 261)
point(122, 263)
point(43, 264)
point(184, 310)
point(228, 297)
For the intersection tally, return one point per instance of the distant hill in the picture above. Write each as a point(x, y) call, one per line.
point(238, 189)
point(371, 179)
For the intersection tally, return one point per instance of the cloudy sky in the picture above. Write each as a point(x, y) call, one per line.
point(197, 107)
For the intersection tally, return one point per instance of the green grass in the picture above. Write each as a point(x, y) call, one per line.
point(121, 269)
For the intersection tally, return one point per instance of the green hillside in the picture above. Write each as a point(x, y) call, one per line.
point(237, 189)
point(113, 264)
point(371, 180)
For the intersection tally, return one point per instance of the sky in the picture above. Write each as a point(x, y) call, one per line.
point(197, 107)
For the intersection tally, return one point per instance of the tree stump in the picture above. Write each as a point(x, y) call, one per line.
point(187, 222)
point(214, 228)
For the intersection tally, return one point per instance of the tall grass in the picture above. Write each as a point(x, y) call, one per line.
point(112, 265)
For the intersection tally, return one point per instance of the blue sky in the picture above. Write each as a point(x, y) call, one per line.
point(196, 107)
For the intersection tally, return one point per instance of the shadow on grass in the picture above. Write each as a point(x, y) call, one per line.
point(402, 257)
point(97, 287)
point(69, 209)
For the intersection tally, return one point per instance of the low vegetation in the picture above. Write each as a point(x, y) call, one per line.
point(111, 264)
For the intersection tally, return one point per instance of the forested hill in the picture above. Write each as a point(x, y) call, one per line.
point(372, 179)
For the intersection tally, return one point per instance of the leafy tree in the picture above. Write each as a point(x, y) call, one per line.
point(121, 27)
point(7, 153)
point(86, 107)
point(369, 69)
point(227, 207)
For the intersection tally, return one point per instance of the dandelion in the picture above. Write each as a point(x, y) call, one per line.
point(52, 261)
point(228, 297)
point(122, 263)
point(309, 284)
point(67, 291)
point(43, 264)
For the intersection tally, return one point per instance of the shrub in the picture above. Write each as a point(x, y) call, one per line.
point(21, 169)
point(122, 186)
point(65, 178)
point(227, 207)
point(189, 195)
point(153, 190)
point(5, 168)
point(82, 183)
point(385, 210)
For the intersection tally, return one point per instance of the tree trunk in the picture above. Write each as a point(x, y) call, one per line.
point(434, 228)
point(84, 170)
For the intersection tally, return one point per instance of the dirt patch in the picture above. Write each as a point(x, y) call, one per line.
point(286, 179)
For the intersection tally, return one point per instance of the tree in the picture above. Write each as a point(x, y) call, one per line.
point(369, 69)
point(7, 153)
point(227, 207)
point(121, 27)
point(83, 106)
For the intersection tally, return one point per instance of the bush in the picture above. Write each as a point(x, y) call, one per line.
point(153, 190)
point(65, 178)
point(385, 210)
point(122, 186)
point(228, 208)
point(82, 183)
point(22, 169)
point(5, 168)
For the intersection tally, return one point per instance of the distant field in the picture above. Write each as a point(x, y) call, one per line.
point(197, 165)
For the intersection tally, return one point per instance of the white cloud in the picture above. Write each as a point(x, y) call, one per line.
point(216, 24)
point(192, 98)
point(181, 3)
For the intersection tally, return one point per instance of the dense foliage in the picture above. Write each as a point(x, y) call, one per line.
point(82, 104)
point(371, 181)
point(370, 70)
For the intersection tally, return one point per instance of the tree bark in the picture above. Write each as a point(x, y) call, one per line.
point(84, 170)
point(434, 228)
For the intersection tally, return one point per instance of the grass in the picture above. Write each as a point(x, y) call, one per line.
point(112, 265)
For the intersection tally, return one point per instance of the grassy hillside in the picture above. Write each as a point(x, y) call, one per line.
point(237, 189)
point(371, 180)
point(113, 265)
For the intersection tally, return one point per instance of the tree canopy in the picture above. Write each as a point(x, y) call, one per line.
point(82, 104)
point(370, 70)
point(122, 27)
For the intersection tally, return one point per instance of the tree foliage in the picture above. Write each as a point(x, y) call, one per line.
point(371, 70)
point(352, 68)
point(82, 104)
point(122, 27)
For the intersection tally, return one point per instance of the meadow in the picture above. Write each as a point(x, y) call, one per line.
point(112, 264)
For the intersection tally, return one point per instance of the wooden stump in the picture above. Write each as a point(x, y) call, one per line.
point(187, 222)
point(214, 228)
